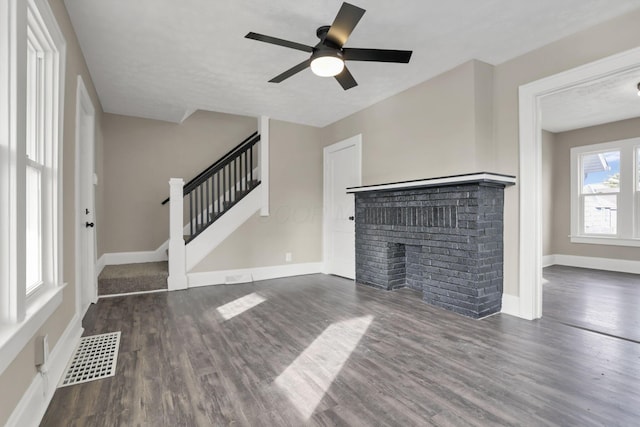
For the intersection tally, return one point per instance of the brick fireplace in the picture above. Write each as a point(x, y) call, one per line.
point(440, 236)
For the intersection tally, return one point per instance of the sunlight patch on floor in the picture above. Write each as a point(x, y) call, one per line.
point(240, 305)
point(307, 379)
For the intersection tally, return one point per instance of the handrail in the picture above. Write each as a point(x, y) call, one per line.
point(220, 164)
point(193, 183)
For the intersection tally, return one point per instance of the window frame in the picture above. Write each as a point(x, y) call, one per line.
point(21, 316)
point(628, 199)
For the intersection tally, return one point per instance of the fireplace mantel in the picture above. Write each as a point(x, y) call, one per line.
point(477, 177)
point(440, 236)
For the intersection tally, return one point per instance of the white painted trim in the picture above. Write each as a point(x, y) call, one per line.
point(34, 402)
point(14, 337)
point(530, 184)
point(356, 141)
point(432, 182)
point(263, 129)
point(177, 274)
point(118, 258)
point(548, 260)
point(216, 233)
point(596, 263)
point(132, 293)
point(604, 240)
point(245, 275)
point(12, 159)
point(510, 305)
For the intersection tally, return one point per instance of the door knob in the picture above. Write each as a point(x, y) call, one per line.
point(88, 224)
point(351, 218)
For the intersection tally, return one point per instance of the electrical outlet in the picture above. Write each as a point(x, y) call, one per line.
point(288, 257)
point(42, 350)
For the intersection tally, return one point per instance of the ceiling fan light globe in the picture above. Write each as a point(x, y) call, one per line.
point(327, 66)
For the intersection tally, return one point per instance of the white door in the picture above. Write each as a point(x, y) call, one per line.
point(342, 169)
point(86, 286)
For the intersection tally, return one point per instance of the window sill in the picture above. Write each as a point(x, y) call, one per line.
point(14, 337)
point(605, 240)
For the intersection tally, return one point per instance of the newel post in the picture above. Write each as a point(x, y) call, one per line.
point(177, 254)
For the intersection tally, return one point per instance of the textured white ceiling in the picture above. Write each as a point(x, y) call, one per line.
point(164, 58)
point(605, 100)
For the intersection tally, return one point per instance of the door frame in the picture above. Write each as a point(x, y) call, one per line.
point(85, 115)
point(356, 141)
point(529, 304)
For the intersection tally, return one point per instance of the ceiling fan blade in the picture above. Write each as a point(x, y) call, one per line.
point(291, 71)
point(346, 80)
point(346, 20)
point(279, 42)
point(378, 55)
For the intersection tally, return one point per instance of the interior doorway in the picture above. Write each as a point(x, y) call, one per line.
point(85, 181)
point(342, 169)
point(530, 180)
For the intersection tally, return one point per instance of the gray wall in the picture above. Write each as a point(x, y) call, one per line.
point(429, 130)
point(559, 174)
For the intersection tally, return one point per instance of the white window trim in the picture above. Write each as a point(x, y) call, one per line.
point(628, 233)
point(22, 317)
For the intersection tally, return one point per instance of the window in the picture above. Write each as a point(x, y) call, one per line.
point(605, 193)
point(35, 163)
point(32, 58)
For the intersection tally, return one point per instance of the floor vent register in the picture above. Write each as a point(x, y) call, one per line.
point(95, 358)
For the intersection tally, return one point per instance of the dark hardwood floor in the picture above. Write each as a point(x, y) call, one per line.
point(600, 301)
point(319, 350)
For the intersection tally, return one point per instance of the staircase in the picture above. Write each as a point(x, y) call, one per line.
point(218, 188)
point(208, 198)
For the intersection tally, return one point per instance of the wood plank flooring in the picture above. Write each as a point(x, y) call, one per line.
point(319, 350)
point(601, 301)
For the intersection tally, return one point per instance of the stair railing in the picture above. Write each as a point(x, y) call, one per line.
point(208, 170)
point(219, 187)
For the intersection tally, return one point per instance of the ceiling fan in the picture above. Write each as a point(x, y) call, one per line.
point(328, 56)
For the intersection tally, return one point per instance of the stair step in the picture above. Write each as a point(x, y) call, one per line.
point(127, 278)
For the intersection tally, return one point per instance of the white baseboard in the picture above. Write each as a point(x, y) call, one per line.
point(100, 263)
point(248, 274)
point(118, 258)
point(36, 399)
point(511, 305)
point(548, 260)
point(607, 264)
